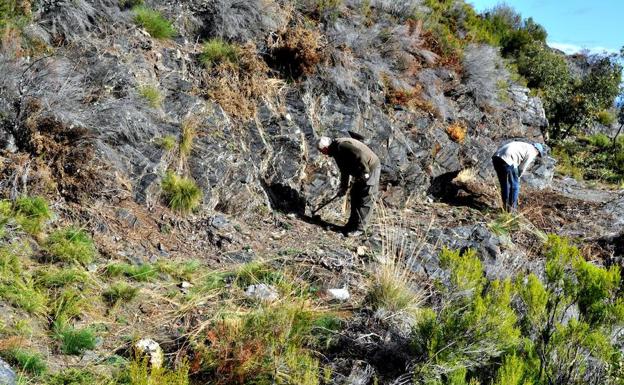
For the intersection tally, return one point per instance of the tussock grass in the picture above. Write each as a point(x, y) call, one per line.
point(505, 224)
point(118, 292)
point(188, 132)
point(182, 194)
point(167, 142)
point(76, 341)
point(20, 291)
point(393, 288)
point(73, 377)
point(31, 213)
point(71, 245)
point(152, 94)
point(141, 273)
point(52, 277)
point(28, 361)
point(153, 22)
point(179, 270)
point(217, 51)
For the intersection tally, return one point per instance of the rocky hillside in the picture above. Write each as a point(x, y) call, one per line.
point(159, 173)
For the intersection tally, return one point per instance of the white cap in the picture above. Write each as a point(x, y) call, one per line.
point(324, 142)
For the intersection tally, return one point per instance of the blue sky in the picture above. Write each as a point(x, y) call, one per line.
point(573, 25)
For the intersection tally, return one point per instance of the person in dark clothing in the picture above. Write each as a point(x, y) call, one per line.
point(355, 160)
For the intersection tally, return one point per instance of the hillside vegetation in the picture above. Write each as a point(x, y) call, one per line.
point(159, 175)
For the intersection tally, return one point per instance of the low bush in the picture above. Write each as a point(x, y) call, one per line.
point(217, 51)
point(72, 377)
point(168, 142)
point(605, 118)
point(266, 345)
point(153, 22)
point(182, 194)
point(71, 245)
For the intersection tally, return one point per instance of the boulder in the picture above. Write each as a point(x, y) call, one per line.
point(147, 347)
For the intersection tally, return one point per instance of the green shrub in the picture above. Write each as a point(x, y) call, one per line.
point(26, 360)
point(141, 273)
point(32, 213)
point(216, 51)
point(605, 118)
point(152, 94)
point(153, 22)
point(76, 341)
point(266, 345)
point(71, 245)
point(600, 140)
point(120, 291)
point(182, 194)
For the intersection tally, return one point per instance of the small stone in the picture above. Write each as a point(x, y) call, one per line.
point(186, 285)
point(262, 292)
point(149, 347)
point(362, 251)
point(339, 294)
point(92, 268)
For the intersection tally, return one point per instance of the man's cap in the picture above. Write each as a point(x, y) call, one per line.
point(540, 148)
point(324, 142)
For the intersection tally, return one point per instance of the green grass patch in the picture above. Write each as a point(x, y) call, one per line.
point(31, 213)
point(76, 341)
point(179, 270)
point(606, 118)
point(141, 273)
point(167, 143)
point(26, 360)
point(182, 194)
point(71, 245)
point(120, 292)
point(20, 291)
point(151, 94)
point(139, 372)
point(153, 22)
point(73, 377)
point(52, 277)
point(216, 51)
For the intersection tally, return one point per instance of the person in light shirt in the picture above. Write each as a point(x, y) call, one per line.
point(511, 161)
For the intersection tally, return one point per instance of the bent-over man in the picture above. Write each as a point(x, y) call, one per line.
point(510, 162)
point(356, 160)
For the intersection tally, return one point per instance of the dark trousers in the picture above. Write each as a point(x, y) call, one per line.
point(509, 183)
point(363, 196)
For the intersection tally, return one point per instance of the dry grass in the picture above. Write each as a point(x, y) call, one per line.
point(188, 132)
point(457, 132)
point(238, 88)
point(393, 290)
point(296, 52)
point(411, 98)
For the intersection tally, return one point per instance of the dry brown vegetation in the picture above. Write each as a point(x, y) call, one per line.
point(238, 87)
point(296, 52)
point(457, 132)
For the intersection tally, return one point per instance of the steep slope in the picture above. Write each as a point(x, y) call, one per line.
point(101, 102)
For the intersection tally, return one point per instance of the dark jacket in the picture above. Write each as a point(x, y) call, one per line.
point(355, 159)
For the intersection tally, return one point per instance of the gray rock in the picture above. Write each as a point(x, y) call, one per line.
point(339, 294)
point(263, 292)
point(361, 374)
point(7, 375)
